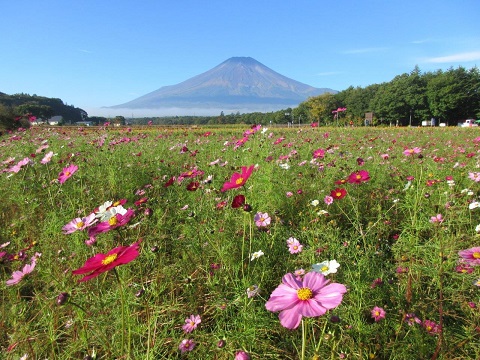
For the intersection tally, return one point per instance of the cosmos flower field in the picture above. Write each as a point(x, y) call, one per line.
point(240, 243)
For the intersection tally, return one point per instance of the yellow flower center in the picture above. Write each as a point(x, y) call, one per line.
point(359, 176)
point(304, 294)
point(113, 221)
point(67, 173)
point(324, 268)
point(116, 203)
point(109, 259)
point(338, 194)
point(476, 255)
point(377, 313)
point(79, 224)
point(239, 181)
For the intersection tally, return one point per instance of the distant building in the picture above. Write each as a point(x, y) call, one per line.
point(55, 120)
point(84, 123)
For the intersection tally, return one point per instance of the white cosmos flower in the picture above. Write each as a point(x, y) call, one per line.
point(477, 228)
point(256, 255)
point(326, 267)
point(285, 166)
point(473, 205)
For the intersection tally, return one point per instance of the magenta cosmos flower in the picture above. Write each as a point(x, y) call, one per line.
point(79, 224)
point(114, 222)
point(186, 345)
point(191, 323)
point(410, 152)
point(101, 263)
point(359, 177)
point(471, 256)
point(309, 297)
point(238, 179)
point(67, 173)
point(378, 313)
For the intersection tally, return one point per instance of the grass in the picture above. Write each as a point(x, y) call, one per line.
point(195, 254)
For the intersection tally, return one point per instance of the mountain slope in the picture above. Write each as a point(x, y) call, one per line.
point(237, 82)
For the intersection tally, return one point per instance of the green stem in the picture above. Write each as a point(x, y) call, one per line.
point(304, 339)
point(122, 300)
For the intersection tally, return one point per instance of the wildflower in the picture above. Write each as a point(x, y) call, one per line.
point(191, 323)
point(46, 159)
point(242, 355)
point(294, 246)
point(436, 219)
point(477, 228)
point(359, 177)
point(238, 201)
point(289, 194)
point(475, 176)
point(384, 156)
point(474, 205)
point(319, 153)
point(299, 272)
point(67, 173)
point(262, 219)
point(193, 186)
point(376, 282)
point(101, 263)
point(412, 319)
point(186, 345)
point(360, 162)
point(79, 224)
point(326, 267)
point(477, 282)
point(431, 327)
point(338, 193)
point(17, 276)
point(309, 296)
point(464, 268)
point(252, 291)
point(378, 313)
point(410, 152)
point(112, 223)
point(62, 298)
point(314, 202)
point(471, 256)
point(238, 179)
point(256, 255)
point(285, 166)
point(328, 200)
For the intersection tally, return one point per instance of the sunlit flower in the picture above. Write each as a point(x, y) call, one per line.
point(431, 327)
point(378, 313)
point(17, 276)
point(191, 323)
point(47, 158)
point(471, 256)
point(242, 355)
point(436, 219)
point(328, 200)
point(319, 154)
point(475, 176)
point(252, 291)
point(309, 296)
point(314, 202)
point(338, 193)
point(238, 179)
point(358, 177)
point(101, 263)
point(412, 319)
point(294, 246)
point(326, 267)
point(410, 152)
point(113, 222)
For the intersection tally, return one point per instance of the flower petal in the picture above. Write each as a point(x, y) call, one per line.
point(290, 318)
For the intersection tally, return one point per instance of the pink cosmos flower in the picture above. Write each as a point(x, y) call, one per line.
point(191, 323)
point(67, 173)
point(309, 296)
point(471, 256)
point(101, 263)
point(262, 219)
point(17, 276)
point(238, 179)
point(328, 200)
point(412, 319)
point(384, 156)
point(410, 152)
point(79, 224)
point(294, 245)
point(46, 159)
point(378, 313)
point(242, 355)
point(475, 176)
point(186, 345)
point(359, 177)
point(431, 327)
point(319, 154)
point(437, 219)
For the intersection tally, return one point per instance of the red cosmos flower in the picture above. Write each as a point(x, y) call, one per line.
point(101, 263)
point(169, 182)
point(338, 193)
point(359, 177)
point(237, 179)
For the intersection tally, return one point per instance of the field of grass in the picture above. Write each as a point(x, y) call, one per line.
point(189, 231)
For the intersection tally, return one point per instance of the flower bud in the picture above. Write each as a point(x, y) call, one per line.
point(62, 298)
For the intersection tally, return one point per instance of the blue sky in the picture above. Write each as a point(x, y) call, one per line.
point(95, 53)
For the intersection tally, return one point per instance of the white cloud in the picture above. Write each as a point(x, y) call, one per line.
point(460, 57)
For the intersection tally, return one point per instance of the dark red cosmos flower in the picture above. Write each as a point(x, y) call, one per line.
point(101, 263)
point(338, 193)
point(193, 186)
point(169, 182)
point(238, 201)
point(141, 201)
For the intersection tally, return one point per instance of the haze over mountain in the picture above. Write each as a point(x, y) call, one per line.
point(238, 84)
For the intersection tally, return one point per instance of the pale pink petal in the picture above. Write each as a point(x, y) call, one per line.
point(290, 318)
point(291, 281)
point(331, 295)
point(311, 308)
point(314, 281)
point(283, 297)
